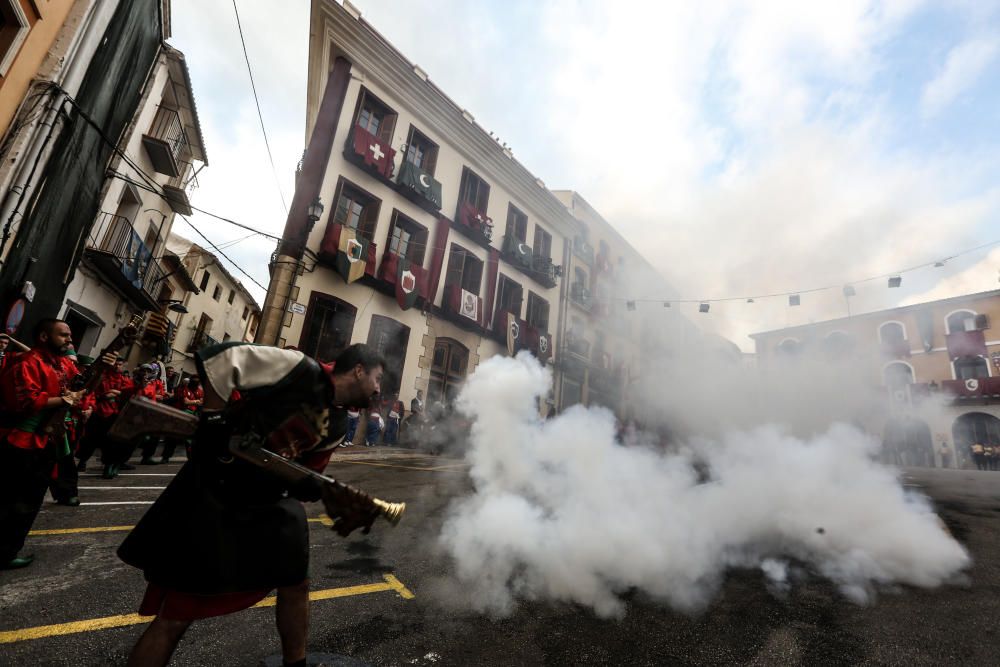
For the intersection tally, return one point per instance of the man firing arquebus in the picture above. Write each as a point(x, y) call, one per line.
point(225, 533)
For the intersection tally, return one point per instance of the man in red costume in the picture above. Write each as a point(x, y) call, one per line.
point(31, 391)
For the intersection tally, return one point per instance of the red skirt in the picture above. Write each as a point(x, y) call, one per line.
point(175, 606)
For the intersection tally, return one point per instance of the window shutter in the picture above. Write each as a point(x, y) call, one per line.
point(483, 198)
point(369, 220)
point(430, 159)
point(982, 322)
point(386, 129)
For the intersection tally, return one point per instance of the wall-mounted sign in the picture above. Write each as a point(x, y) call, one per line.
point(297, 308)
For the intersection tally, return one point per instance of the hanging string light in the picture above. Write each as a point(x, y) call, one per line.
point(703, 308)
point(793, 299)
point(895, 281)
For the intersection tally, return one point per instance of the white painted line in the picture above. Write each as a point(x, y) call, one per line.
point(120, 488)
point(124, 502)
point(136, 474)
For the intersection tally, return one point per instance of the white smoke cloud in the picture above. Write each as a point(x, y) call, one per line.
point(561, 512)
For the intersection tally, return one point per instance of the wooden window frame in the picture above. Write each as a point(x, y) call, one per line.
point(217, 292)
point(464, 276)
point(519, 219)
point(535, 304)
point(502, 284)
point(205, 278)
point(419, 235)
point(387, 126)
point(480, 196)
point(542, 240)
point(428, 161)
point(368, 220)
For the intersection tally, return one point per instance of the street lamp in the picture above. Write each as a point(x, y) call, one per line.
point(315, 211)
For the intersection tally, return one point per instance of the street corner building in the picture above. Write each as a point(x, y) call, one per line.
point(943, 353)
point(414, 230)
point(101, 150)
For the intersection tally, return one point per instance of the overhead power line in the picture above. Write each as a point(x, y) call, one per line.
point(253, 87)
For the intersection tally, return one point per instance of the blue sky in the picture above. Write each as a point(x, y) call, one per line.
point(745, 147)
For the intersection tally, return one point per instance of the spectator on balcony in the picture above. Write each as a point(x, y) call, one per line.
point(978, 455)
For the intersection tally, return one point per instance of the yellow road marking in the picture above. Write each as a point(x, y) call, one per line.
point(388, 465)
point(391, 583)
point(325, 520)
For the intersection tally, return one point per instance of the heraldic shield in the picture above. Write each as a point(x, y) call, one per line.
point(407, 286)
point(352, 255)
point(513, 334)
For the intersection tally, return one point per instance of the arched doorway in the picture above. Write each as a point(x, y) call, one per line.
point(448, 370)
point(973, 427)
point(907, 442)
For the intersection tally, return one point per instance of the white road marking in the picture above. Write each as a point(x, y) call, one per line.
point(123, 502)
point(120, 488)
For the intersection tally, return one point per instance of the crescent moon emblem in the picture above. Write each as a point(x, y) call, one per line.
point(424, 181)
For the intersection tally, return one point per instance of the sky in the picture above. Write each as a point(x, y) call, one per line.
point(745, 148)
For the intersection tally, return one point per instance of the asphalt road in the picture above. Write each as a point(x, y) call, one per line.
point(75, 605)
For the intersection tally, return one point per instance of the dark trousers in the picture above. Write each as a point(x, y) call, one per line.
point(24, 478)
point(94, 436)
point(65, 480)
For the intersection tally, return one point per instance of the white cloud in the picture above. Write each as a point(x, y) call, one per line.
point(962, 68)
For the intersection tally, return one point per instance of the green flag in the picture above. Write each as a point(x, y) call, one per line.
point(420, 182)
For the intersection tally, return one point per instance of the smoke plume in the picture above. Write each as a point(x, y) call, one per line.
point(561, 511)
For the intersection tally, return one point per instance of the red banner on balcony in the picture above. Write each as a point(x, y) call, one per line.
point(539, 342)
point(462, 302)
point(474, 219)
point(513, 333)
point(373, 151)
point(966, 344)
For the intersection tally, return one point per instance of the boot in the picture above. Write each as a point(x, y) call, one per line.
point(17, 563)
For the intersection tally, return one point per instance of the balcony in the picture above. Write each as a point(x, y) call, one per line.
point(464, 307)
point(419, 187)
point(519, 254)
point(166, 141)
point(329, 247)
point(200, 341)
point(474, 224)
point(370, 153)
point(966, 344)
point(175, 191)
point(584, 251)
point(388, 271)
point(124, 261)
point(580, 296)
point(981, 389)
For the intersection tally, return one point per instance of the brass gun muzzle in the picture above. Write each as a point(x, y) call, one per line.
point(391, 512)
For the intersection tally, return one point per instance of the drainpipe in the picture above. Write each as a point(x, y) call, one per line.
point(307, 189)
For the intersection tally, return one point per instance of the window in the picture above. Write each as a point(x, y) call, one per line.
point(232, 296)
point(356, 209)
point(152, 239)
point(789, 347)
point(580, 277)
point(509, 296)
point(14, 28)
point(572, 393)
point(421, 152)
point(892, 332)
point(966, 320)
point(407, 238)
point(226, 337)
point(328, 329)
point(203, 331)
point(474, 190)
point(517, 224)
point(538, 312)
point(246, 311)
point(205, 277)
point(389, 338)
point(970, 368)
point(464, 269)
point(897, 375)
point(375, 116)
point(217, 292)
point(837, 345)
point(543, 243)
